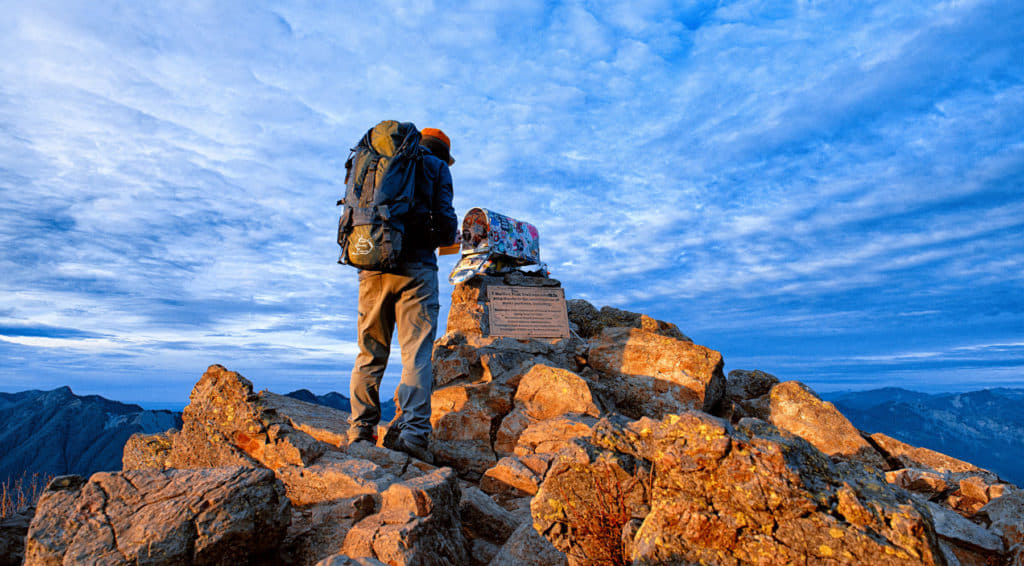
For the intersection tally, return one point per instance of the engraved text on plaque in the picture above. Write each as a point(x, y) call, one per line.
point(527, 312)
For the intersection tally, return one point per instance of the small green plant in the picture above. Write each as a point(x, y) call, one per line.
point(17, 494)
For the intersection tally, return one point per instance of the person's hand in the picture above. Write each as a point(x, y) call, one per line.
point(452, 248)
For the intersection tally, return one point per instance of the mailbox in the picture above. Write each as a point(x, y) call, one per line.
point(494, 243)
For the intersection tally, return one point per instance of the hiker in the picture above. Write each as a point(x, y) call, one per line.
point(404, 295)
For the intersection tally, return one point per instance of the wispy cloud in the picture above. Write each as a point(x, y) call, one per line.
point(790, 183)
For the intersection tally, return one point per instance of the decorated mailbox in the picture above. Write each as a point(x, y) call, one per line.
point(494, 243)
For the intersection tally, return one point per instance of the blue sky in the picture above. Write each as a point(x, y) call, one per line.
point(830, 192)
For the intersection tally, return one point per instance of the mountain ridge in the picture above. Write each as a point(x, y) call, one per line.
point(57, 432)
point(985, 427)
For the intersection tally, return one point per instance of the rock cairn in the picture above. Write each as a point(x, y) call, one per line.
point(623, 444)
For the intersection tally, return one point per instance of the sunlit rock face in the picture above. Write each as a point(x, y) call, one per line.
point(198, 516)
point(691, 488)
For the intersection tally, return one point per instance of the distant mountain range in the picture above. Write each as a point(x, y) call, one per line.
point(342, 403)
point(57, 432)
point(985, 428)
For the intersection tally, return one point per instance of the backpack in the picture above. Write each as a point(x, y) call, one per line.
point(380, 183)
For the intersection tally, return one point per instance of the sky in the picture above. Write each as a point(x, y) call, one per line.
point(827, 191)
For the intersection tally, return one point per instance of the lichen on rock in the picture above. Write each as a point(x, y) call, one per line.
point(703, 491)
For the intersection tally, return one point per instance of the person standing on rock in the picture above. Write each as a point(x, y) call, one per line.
point(406, 296)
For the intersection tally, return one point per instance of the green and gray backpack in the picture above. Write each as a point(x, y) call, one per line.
point(380, 184)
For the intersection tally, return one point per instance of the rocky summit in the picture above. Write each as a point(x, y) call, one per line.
point(621, 444)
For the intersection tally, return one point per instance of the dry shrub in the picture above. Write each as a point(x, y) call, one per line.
point(596, 519)
point(16, 495)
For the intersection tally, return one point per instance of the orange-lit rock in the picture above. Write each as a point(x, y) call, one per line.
point(797, 409)
point(654, 375)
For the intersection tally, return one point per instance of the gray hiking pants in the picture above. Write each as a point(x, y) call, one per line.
point(409, 300)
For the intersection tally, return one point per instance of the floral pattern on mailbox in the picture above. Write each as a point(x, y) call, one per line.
point(494, 243)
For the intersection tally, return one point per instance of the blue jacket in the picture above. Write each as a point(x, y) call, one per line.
point(433, 221)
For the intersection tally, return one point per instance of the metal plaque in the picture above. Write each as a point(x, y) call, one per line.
point(527, 312)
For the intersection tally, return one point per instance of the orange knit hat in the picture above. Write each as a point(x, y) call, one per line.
point(443, 138)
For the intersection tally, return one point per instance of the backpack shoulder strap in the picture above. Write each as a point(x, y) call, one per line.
point(364, 158)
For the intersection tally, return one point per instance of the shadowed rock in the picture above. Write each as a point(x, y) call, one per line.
point(334, 481)
point(394, 462)
point(509, 478)
point(418, 524)
point(464, 419)
point(951, 526)
point(483, 518)
point(590, 322)
point(746, 395)
point(342, 560)
point(743, 385)
point(1006, 516)
point(927, 482)
point(525, 547)
point(13, 529)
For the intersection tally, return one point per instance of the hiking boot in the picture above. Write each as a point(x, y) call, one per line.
point(361, 434)
point(418, 451)
point(402, 443)
point(391, 436)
